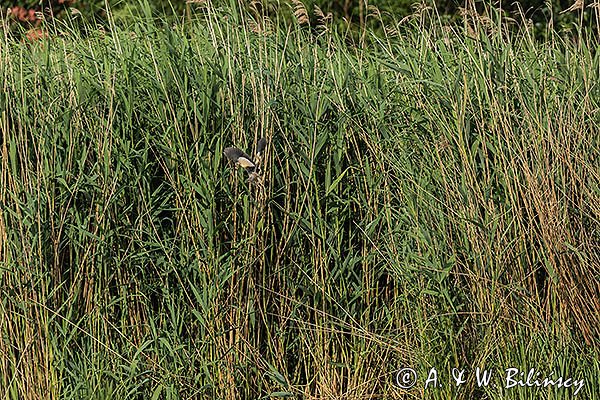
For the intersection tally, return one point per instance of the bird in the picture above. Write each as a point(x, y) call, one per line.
point(260, 147)
point(239, 157)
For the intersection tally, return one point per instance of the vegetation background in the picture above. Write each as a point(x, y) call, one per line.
point(430, 199)
point(349, 12)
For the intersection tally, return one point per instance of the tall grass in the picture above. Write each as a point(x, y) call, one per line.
point(428, 200)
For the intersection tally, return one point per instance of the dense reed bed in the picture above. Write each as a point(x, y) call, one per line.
point(430, 199)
